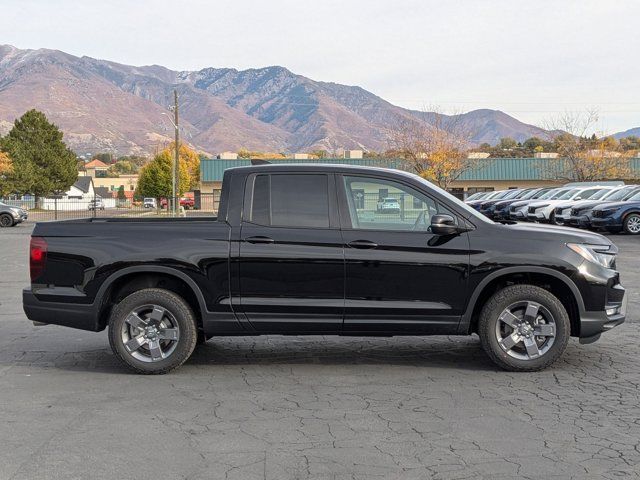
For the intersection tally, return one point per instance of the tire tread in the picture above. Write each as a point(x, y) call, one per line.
point(512, 294)
point(178, 307)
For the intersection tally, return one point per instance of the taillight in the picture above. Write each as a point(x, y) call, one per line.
point(37, 257)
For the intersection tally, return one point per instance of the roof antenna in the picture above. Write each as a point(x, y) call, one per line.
point(257, 161)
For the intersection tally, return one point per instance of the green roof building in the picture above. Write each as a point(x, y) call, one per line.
point(486, 174)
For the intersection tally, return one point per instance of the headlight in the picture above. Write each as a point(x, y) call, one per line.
point(537, 207)
point(594, 253)
point(606, 213)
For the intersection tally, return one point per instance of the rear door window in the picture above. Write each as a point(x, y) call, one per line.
point(290, 200)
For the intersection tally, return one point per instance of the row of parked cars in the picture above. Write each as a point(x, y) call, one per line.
point(613, 208)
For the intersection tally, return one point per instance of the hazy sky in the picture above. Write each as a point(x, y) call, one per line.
point(530, 59)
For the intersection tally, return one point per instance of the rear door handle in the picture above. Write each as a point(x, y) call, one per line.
point(362, 244)
point(259, 239)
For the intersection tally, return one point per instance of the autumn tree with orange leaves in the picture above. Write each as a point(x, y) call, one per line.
point(586, 158)
point(6, 169)
point(435, 148)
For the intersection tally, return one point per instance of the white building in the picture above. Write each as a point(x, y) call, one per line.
point(77, 197)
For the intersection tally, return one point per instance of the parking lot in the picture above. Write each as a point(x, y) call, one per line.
point(313, 407)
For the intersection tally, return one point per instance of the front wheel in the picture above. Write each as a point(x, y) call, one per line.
point(152, 331)
point(632, 224)
point(6, 220)
point(524, 328)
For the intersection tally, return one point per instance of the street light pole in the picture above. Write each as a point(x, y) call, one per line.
point(176, 160)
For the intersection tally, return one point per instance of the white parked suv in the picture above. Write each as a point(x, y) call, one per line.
point(150, 203)
point(544, 210)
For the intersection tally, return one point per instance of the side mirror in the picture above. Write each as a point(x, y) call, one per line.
point(443, 225)
point(578, 198)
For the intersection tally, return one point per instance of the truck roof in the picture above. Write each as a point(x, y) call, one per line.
point(319, 167)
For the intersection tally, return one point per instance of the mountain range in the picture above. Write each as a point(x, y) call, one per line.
point(107, 106)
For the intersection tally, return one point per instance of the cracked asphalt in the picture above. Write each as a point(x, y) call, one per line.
point(313, 407)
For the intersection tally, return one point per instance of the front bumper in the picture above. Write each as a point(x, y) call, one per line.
point(594, 323)
point(606, 222)
point(518, 215)
point(582, 221)
point(536, 217)
point(19, 217)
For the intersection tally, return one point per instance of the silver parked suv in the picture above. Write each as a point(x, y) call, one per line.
point(10, 216)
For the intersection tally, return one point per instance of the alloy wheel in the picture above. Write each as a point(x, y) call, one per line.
point(150, 333)
point(5, 221)
point(633, 224)
point(525, 330)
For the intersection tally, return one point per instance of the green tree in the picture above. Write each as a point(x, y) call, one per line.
point(121, 195)
point(42, 163)
point(507, 143)
point(155, 178)
point(121, 167)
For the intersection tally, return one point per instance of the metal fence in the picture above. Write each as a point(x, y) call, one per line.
point(388, 207)
point(64, 208)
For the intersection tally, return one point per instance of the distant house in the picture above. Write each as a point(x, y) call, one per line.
point(82, 189)
point(96, 169)
point(103, 192)
point(76, 198)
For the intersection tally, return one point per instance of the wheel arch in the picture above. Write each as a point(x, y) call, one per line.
point(126, 281)
point(626, 214)
point(557, 283)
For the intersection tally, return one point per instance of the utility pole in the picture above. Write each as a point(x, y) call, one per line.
point(176, 160)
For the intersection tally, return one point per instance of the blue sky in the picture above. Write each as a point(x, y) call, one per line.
point(531, 59)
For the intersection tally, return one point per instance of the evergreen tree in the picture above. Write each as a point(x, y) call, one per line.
point(42, 163)
point(121, 195)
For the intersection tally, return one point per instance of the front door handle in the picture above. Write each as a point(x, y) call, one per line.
point(362, 244)
point(259, 239)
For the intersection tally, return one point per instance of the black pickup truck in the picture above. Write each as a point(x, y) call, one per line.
point(305, 250)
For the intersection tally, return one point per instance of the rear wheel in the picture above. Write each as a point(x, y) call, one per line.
point(524, 328)
point(6, 220)
point(152, 331)
point(632, 224)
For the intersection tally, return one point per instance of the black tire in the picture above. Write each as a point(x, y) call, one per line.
point(631, 224)
point(179, 312)
point(513, 295)
point(552, 218)
point(6, 220)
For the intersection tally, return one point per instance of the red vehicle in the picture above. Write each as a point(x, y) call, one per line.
point(186, 202)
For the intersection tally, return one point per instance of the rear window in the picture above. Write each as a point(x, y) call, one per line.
point(291, 200)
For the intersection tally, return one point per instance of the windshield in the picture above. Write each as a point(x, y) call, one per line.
point(550, 194)
point(500, 195)
point(619, 194)
point(496, 194)
point(477, 196)
point(567, 195)
point(628, 194)
point(512, 193)
point(599, 194)
point(635, 196)
point(525, 195)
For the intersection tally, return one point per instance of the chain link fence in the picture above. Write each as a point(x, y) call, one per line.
point(64, 208)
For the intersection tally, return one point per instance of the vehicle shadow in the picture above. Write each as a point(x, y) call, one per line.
point(435, 352)
point(462, 353)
